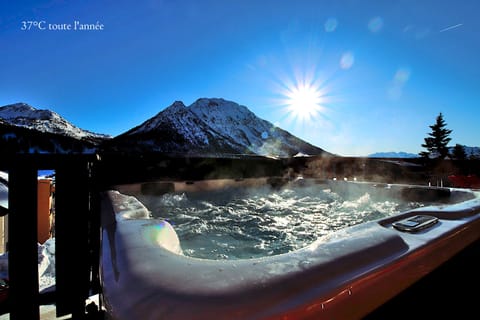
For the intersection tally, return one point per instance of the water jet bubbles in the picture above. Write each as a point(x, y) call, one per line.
point(347, 60)
point(331, 24)
point(375, 24)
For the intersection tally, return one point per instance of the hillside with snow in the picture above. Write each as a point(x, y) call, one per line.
point(471, 152)
point(208, 127)
point(211, 127)
point(24, 129)
point(26, 116)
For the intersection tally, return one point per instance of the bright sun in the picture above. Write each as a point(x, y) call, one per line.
point(304, 101)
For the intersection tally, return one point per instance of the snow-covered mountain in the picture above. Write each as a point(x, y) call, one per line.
point(211, 127)
point(24, 115)
point(24, 129)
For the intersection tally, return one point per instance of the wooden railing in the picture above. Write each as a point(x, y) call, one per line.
point(79, 178)
point(76, 237)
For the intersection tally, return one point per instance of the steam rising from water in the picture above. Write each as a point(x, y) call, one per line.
point(239, 223)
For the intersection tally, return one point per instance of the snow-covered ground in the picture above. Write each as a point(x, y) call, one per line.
point(46, 279)
point(46, 265)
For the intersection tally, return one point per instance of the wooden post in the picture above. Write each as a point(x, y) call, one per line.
point(22, 240)
point(72, 213)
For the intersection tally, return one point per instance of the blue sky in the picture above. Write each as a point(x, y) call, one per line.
point(372, 75)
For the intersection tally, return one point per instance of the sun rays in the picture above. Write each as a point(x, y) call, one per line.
point(304, 99)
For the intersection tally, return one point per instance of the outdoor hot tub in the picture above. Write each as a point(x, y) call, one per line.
point(147, 272)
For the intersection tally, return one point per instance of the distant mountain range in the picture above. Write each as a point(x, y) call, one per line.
point(210, 127)
point(469, 151)
point(393, 154)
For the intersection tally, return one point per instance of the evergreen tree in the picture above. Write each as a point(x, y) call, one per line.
point(459, 152)
point(437, 140)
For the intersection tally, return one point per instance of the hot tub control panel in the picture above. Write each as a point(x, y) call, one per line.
point(415, 223)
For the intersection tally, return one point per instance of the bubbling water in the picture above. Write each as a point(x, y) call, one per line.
point(255, 222)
